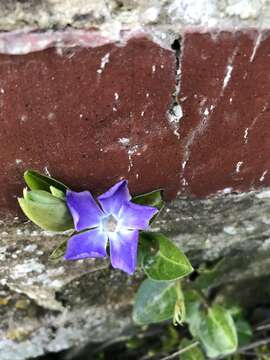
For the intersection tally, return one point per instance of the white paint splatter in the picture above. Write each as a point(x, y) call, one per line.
point(124, 141)
point(104, 60)
point(238, 166)
point(227, 190)
point(246, 135)
point(184, 182)
point(2, 91)
point(132, 151)
point(23, 118)
point(228, 73)
point(227, 76)
point(256, 46)
point(255, 121)
point(194, 133)
point(116, 96)
point(18, 161)
point(46, 170)
point(206, 112)
point(263, 175)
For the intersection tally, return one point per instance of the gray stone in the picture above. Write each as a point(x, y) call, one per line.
point(48, 306)
point(163, 18)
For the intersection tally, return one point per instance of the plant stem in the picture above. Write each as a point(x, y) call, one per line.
point(181, 351)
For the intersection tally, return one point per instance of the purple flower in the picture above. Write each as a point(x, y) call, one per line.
point(117, 219)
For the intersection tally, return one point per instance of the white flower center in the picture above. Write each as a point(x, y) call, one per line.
point(109, 223)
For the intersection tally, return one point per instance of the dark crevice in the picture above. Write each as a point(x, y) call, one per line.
point(175, 112)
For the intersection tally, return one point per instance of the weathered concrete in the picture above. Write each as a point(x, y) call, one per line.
point(51, 306)
point(111, 16)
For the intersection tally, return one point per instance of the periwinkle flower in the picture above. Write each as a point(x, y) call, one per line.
point(116, 220)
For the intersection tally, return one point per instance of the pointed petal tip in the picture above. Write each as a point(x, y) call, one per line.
point(112, 200)
point(135, 216)
point(85, 211)
point(123, 250)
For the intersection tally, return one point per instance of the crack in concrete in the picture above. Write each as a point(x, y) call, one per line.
point(175, 113)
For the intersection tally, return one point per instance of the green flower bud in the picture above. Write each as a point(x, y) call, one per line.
point(45, 210)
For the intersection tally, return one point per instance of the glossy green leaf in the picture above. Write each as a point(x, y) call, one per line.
point(208, 276)
point(168, 262)
point(146, 247)
point(154, 302)
point(36, 181)
point(153, 198)
point(46, 211)
point(59, 251)
point(57, 193)
point(216, 331)
point(193, 304)
point(195, 352)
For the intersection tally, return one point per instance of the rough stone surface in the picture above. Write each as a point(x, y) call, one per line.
point(50, 306)
point(112, 15)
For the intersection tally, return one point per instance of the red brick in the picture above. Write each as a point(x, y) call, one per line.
point(65, 112)
point(228, 75)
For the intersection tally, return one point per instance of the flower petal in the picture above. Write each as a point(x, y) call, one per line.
point(91, 243)
point(123, 250)
point(112, 200)
point(84, 210)
point(134, 216)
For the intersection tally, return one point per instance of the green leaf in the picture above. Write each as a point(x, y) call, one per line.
point(46, 211)
point(193, 304)
point(168, 263)
point(57, 193)
point(143, 250)
point(208, 276)
point(153, 198)
point(59, 251)
point(216, 331)
point(244, 331)
point(154, 302)
point(36, 181)
point(195, 353)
